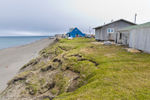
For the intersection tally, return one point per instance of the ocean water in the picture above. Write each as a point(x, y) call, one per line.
point(12, 41)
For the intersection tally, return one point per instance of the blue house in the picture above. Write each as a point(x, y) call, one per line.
point(75, 32)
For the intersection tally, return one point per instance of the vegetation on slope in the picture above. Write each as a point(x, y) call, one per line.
point(81, 69)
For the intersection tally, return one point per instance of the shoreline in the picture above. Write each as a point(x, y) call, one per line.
point(46, 37)
point(13, 58)
point(22, 44)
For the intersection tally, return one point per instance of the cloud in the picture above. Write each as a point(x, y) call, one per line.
point(44, 17)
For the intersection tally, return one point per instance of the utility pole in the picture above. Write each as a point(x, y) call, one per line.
point(112, 20)
point(135, 18)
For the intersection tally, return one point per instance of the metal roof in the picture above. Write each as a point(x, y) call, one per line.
point(115, 22)
point(145, 25)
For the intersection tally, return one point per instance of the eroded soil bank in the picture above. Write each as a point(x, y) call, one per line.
point(81, 69)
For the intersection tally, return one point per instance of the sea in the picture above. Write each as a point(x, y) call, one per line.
point(13, 41)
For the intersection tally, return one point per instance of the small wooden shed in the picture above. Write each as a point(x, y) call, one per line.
point(122, 36)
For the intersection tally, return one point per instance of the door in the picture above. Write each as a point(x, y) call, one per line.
point(77, 35)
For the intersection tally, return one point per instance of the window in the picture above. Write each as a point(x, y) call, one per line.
point(110, 30)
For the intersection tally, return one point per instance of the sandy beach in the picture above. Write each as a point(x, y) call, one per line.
point(12, 59)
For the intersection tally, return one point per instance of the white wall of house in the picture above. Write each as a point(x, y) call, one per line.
point(97, 33)
point(140, 39)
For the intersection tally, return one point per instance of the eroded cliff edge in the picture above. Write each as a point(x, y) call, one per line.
point(57, 70)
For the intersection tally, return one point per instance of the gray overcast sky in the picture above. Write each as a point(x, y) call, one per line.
point(44, 17)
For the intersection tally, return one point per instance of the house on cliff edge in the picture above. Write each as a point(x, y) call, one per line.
point(108, 32)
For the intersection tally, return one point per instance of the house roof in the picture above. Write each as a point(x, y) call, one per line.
point(74, 29)
point(71, 29)
point(115, 22)
point(145, 25)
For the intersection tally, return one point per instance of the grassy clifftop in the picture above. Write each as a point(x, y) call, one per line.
point(82, 69)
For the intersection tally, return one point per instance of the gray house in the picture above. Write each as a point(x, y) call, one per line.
point(138, 36)
point(109, 31)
